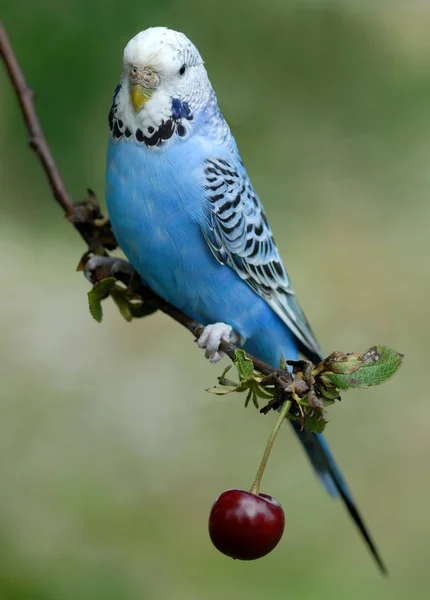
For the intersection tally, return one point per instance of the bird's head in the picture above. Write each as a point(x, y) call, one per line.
point(163, 85)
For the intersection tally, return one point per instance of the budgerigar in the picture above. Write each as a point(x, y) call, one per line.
point(184, 212)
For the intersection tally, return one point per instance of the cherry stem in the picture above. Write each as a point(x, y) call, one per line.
point(285, 408)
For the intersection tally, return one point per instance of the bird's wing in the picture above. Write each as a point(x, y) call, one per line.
point(239, 236)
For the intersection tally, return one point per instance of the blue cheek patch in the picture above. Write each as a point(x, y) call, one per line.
point(180, 110)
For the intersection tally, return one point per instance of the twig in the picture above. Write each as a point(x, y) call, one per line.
point(86, 216)
point(197, 328)
point(283, 412)
point(37, 139)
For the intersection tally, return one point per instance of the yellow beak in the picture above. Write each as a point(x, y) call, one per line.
point(139, 95)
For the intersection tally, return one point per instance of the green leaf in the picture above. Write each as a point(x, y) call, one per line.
point(221, 390)
point(315, 421)
point(255, 400)
point(379, 364)
point(244, 365)
point(342, 364)
point(263, 393)
point(222, 379)
point(122, 302)
point(98, 293)
point(248, 397)
point(329, 392)
point(141, 309)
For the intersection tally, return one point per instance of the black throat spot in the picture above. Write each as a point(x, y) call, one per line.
point(157, 135)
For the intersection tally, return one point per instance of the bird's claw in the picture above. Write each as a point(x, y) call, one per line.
point(211, 338)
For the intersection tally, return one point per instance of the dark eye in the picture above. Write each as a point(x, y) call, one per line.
point(182, 70)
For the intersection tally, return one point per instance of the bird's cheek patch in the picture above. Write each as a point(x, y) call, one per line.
point(139, 95)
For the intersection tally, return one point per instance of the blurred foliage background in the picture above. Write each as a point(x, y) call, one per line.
point(108, 468)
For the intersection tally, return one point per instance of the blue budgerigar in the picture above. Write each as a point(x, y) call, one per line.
point(185, 213)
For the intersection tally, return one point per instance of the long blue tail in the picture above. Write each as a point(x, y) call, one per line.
point(330, 476)
point(315, 445)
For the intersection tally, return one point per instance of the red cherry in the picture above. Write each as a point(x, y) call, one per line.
point(244, 525)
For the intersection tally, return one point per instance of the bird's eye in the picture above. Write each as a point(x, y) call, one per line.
point(133, 71)
point(182, 70)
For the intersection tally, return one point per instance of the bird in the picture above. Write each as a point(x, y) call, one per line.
point(185, 214)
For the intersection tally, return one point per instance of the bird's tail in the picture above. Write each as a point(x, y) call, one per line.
point(330, 476)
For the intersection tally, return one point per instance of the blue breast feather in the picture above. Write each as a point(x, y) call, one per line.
point(156, 203)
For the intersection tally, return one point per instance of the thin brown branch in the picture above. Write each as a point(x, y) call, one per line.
point(122, 271)
point(37, 139)
point(197, 329)
point(86, 216)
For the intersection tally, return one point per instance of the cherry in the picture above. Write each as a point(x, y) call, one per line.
point(245, 525)
point(248, 525)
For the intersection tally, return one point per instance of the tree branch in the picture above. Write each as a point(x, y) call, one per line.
point(37, 139)
point(86, 216)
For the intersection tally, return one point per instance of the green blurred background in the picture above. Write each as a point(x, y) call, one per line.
point(108, 468)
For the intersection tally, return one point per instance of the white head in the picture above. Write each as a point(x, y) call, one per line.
point(163, 84)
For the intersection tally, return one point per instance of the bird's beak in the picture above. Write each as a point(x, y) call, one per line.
point(139, 95)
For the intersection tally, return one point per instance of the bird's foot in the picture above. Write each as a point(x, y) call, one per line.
point(107, 266)
point(211, 338)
